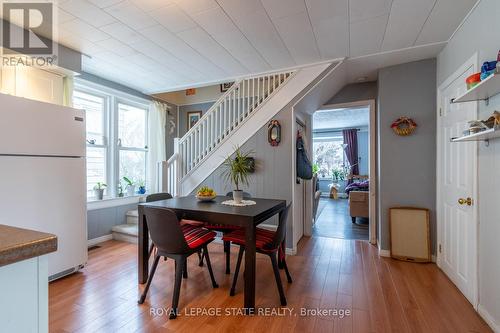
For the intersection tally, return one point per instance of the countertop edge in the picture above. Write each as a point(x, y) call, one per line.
point(29, 248)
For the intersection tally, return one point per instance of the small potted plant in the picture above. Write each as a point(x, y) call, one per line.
point(99, 190)
point(130, 186)
point(237, 170)
point(120, 190)
point(142, 187)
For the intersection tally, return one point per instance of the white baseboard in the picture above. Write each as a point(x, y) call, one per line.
point(125, 238)
point(488, 318)
point(271, 227)
point(387, 253)
point(94, 241)
point(384, 253)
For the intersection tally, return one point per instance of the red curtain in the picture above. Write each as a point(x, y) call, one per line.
point(351, 150)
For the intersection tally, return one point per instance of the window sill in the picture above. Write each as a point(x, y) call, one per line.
point(93, 204)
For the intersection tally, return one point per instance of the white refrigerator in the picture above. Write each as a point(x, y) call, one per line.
point(42, 176)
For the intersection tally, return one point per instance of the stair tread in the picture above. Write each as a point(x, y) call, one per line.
point(134, 212)
point(128, 229)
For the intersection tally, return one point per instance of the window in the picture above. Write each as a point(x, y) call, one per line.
point(132, 129)
point(116, 137)
point(328, 155)
point(97, 151)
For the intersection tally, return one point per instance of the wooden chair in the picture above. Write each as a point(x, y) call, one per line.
point(178, 242)
point(225, 229)
point(269, 243)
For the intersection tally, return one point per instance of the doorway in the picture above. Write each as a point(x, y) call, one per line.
point(457, 230)
point(343, 149)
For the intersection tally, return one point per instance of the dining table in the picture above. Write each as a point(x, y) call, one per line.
point(215, 212)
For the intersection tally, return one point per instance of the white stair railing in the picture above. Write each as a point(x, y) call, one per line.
point(220, 121)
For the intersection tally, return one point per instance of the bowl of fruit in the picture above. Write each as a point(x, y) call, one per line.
point(205, 193)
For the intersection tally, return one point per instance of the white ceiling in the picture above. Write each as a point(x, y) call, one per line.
point(162, 45)
point(341, 118)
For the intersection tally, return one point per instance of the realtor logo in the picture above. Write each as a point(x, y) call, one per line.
point(27, 28)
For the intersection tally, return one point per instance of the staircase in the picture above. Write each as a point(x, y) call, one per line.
point(247, 106)
point(127, 232)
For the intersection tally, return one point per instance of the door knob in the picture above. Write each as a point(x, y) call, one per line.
point(467, 201)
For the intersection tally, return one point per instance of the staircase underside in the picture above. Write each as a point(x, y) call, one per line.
point(259, 118)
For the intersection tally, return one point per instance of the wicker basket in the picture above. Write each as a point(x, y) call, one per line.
point(404, 126)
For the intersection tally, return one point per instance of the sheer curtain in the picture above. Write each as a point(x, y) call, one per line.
point(68, 86)
point(156, 153)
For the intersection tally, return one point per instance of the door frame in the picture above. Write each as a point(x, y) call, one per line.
point(372, 152)
point(471, 62)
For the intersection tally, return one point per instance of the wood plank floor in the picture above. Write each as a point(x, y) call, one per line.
point(383, 295)
point(334, 221)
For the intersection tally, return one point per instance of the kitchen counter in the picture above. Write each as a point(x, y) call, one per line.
point(18, 244)
point(24, 279)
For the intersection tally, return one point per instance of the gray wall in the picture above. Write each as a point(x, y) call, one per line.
point(113, 85)
point(184, 109)
point(272, 178)
point(100, 221)
point(406, 165)
point(480, 34)
point(355, 92)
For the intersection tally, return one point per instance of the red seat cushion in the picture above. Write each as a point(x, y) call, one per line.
point(263, 238)
point(221, 227)
point(192, 222)
point(196, 236)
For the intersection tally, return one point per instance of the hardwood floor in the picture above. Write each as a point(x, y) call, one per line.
point(334, 221)
point(382, 294)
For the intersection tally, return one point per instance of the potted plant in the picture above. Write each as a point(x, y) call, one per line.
point(130, 186)
point(99, 190)
point(120, 190)
point(236, 171)
point(142, 187)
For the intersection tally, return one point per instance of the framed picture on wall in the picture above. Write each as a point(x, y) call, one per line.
point(225, 86)
point(192, 118)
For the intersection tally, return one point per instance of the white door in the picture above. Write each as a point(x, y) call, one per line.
point(457, 179)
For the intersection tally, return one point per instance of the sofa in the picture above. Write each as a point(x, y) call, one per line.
point(358, 204)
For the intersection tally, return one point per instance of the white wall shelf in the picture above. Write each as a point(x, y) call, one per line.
point(483, 91)
point(486, 136)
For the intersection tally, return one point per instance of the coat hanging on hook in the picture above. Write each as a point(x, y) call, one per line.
point(304, 166)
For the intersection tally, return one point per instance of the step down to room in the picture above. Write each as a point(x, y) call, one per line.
point(127, 232)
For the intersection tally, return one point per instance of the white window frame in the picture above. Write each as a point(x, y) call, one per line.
point(112, 98)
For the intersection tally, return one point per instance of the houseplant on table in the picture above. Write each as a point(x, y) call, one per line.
point(236, 171)
point(99, 190)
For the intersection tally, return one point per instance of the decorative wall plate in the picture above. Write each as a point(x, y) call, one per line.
point(404, 126)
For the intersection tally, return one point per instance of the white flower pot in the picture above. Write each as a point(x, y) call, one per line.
point(99, 193)
point(238, 196)
point(131, 190)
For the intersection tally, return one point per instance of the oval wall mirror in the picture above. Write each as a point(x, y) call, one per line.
point(274, 132)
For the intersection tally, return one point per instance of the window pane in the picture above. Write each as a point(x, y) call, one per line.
point(96, 168)
point(131, 126)
point(94, 111)
point(133, 165)
point(329, 156)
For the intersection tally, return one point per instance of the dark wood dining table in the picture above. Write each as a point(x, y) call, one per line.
point(189, 207)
